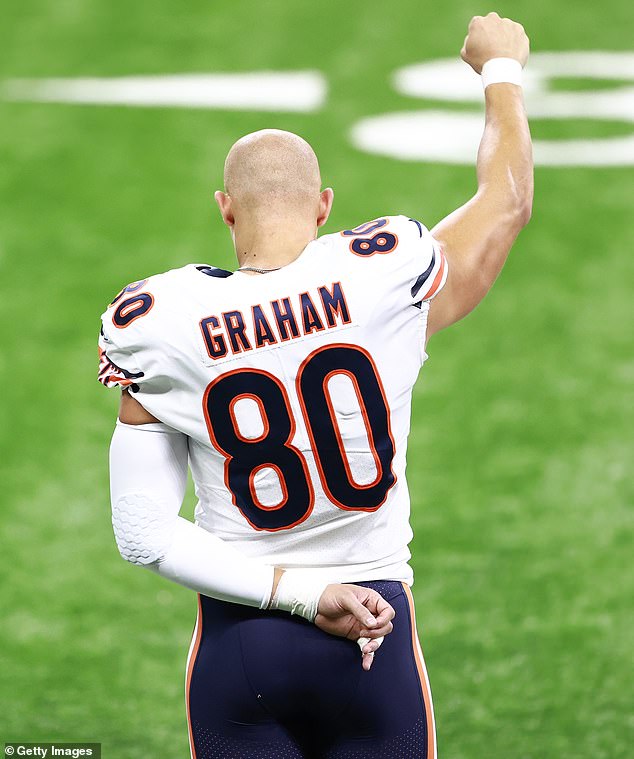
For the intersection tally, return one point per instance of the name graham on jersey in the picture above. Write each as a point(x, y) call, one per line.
point(306, 313)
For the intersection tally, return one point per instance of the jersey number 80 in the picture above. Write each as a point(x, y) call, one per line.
point(273, 449)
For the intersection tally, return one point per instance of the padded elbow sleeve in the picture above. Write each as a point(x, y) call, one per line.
point(142, 527)
point(148, 475)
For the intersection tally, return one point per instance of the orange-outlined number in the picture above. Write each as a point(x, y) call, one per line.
point(321, 421)
point(133, 307)
point(273, 448)
point(362, 245)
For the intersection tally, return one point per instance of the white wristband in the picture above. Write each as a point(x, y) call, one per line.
point(502, 71)
point(299, 594)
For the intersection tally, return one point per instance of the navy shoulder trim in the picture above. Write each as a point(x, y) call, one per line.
point(424, 276)
point(212, 271)
point(419, 225)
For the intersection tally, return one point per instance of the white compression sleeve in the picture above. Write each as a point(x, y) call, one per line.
point(148, 477)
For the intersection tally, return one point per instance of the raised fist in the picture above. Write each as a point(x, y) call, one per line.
point(494, 37)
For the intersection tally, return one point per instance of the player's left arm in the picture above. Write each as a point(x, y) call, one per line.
point(148, 473)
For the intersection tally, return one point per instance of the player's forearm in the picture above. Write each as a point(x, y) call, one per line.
point(206, 564)
point(503, 203)
point(481, 233)
point(505, 159)
point(478, 236)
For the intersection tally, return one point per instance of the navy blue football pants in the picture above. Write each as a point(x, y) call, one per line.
point(266, 685)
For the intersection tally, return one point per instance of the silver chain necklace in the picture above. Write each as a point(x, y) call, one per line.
point(257, 270)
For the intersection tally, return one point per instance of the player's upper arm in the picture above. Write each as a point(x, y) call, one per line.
point(126, 359)
point(132, 412)
point(476, 240)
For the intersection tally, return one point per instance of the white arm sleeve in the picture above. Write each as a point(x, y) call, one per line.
point(148, 477)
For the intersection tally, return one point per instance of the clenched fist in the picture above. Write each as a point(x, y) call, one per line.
point(494, 37)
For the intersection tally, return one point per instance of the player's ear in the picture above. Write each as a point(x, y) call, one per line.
point(224, 204)
point(326, 198)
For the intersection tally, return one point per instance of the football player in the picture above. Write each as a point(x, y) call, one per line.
point(286, 387)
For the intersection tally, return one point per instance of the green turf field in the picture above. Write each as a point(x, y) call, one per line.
point(522, 433)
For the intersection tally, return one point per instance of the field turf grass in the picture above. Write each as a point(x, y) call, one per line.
point(521, 447)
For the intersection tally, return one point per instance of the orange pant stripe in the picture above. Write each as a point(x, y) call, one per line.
point(424, 681)
point(191, 660)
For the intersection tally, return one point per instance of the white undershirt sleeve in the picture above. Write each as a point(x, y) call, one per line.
point(148, 477)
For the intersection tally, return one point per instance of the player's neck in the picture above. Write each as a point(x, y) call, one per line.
point(271, 246)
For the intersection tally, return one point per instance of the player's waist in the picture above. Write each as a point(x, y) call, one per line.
point(225, 611)
point(383, 570)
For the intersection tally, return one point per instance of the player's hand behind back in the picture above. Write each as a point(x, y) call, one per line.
point(353, 612)
point(494, 37)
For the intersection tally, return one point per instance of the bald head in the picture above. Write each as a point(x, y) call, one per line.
point(272, 202)
point(273, 172)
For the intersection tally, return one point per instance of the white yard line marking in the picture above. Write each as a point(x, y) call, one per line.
point(453, 136)
point(297, 91)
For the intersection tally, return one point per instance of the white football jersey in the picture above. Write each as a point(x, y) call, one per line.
point(294, 388)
